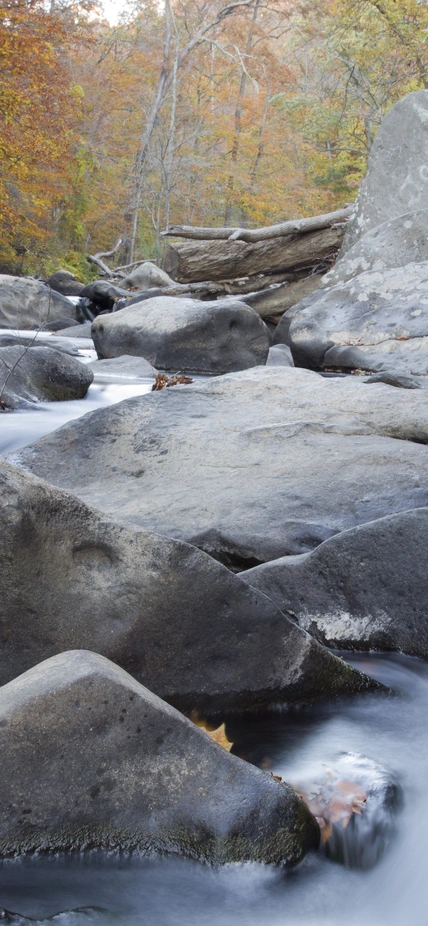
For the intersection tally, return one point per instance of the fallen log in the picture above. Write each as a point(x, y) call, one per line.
point(196, 261)
point(291, 227)
point(274, 302)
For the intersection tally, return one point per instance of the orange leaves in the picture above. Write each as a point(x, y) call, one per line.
point(334, 802)
point(217, 734)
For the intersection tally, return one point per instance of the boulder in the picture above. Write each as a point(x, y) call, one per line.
point(185, 335)
point(400, 241)
point(102, 295)
point(397, 174)
point(126, 368)
point(147, 276)
point(173, 617)
point(27, 303)
point(62, 281)
point(40, 374)
point(377, 321)
point(78, 331)
point(92, 759)
point(250, 466)
point(363, 589)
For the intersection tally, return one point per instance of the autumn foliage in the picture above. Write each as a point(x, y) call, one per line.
point(194, 112)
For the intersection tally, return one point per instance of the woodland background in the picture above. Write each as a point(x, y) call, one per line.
point(195, 112)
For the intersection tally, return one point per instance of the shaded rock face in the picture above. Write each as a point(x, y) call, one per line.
point(376, 321)
point(397, 175)
point(185, 335)
point(62, 281)
point(400, 241)
point(122, 368)
point(249, 467)
point(102, 295)
point(41, 374)
point(26, 303)
point(91, 758)
point(147, 276)
point(366, 588)
point(180, 622)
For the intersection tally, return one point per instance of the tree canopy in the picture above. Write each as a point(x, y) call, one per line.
point(191, 112)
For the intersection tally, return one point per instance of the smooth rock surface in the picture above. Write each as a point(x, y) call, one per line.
point(90, 759)
point(366, 588)
point(251, 466)
point(397, 175)
point(185, 335)
point(400, 241)
point(376, 321)
point(41, 374)
point(173, 617)
point(27, 303)
point(280, 356)
point(64, 282)
point(147, 276)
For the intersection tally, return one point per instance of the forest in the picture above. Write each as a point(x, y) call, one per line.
point(195, 112)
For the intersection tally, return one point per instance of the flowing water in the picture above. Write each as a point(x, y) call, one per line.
point(298, 745)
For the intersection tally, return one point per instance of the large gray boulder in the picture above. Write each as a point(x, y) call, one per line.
point(173, 617)
point(375, 321)
point(397, 175)
point(27, 303)
point(250, 466)
point(366, 588)
point(400, 241)
point(185, 335)
point(65, 283)
point(40, 374)
point(147, 276)
point(92, 759)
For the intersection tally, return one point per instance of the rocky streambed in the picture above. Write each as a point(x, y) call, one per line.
point(180, 562)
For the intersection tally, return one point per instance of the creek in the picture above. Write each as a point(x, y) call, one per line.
point(97, 888)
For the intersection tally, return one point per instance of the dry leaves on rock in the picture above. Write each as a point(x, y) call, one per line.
point(161, 380)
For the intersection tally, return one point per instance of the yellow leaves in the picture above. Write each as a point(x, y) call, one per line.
point(217, 734)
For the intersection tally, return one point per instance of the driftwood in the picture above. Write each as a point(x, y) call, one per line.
point(274, 302)
point(292, 227)
point(225, 260)
point(96, 258)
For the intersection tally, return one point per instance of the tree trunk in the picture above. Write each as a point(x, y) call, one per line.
point(195, 261)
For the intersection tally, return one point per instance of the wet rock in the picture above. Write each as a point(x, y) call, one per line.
point(397, 175)
point(40, 374)
point(173, 617)
point(363, 589)
point(147, 276)
point(400, 241)
point(90, 758)
point(185, 335)
point(250, 466)
point(376, 321)
point(127, 368)
point(27, 303)
point(64, 282)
